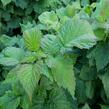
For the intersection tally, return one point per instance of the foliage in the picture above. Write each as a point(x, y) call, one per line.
point(54, 54)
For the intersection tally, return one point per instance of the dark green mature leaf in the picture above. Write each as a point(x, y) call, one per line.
point(32, 38)
point(77, 33)
point(101, 55)
point(105, 81)
point(88, 73)
point(80, 91)
point(104, 107)
point(63, 74)
point(58, 100)
point(9, 101)
point(21, 3)
point(90, 89)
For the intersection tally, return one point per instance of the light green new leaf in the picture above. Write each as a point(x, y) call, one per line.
point(62, 71)
point(5, 2)
point(32, 39)
point(9, 101)
point(80, 91)
point(48, 18)
point(102, 11)
point(77, 33)
point(28, 77)
point(50, 44)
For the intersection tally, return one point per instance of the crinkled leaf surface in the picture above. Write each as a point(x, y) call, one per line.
point(13, 52)
point(8, 41)
point(9, 101)
point(32, 38)
point(50, 44)
point(77, 33)
point(62, 71)
point(48, 18)
point(58, 100)
point(28, 77)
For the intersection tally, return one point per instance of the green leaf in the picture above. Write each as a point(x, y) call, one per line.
point(5, 2)
point(86, 106)
point(28, 77)
point(8, 61)
point(21, 3)
point(48, 18)
point(104, 106)
point(102, 11)
point(13, 52)
point(50, 44)
point(105, 81)
point(80, 91)
point(43, 69)
point(32, 39)
point(62, 71)
point(66, 1)
point(101, 55)
point(8, 41)
point(9, 101)
point(88, 73)
point(85, 2)
point(90, 89)
point(25, 102)
point(58, 100)
point(69, 11)
point(77, 33)
point(100, 33)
